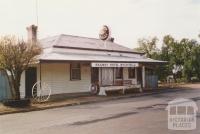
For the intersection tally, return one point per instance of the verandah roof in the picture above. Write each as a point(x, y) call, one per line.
point(98, 58)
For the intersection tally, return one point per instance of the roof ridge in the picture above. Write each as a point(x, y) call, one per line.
point(79, 36)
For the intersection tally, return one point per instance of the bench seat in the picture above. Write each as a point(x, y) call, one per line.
point(123, 87)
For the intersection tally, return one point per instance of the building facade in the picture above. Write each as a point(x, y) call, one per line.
point(71, 64)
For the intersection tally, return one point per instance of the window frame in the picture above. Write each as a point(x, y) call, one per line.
point(130, 70)
point(75, 68)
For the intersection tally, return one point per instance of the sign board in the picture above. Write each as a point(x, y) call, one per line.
point(98, 64)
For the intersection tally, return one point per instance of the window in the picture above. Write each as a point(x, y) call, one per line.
point(190, 110)
point(181, 110)
point(119, 73)
point(75, 71)
point(173, 110)
point(131, 72)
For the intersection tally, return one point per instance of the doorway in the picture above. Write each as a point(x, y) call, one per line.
point(95, 75)
point(30, 80)
point(107, 76)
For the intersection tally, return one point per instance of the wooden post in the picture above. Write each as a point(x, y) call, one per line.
point(143, 76)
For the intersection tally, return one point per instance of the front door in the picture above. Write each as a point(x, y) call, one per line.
point(30, 80)
point(95, 75)
point(107, 76)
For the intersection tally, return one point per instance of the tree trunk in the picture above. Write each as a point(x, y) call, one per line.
point(17, 84)
point(17, 92)
point(174, 75)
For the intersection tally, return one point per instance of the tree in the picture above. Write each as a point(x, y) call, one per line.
point(15, 57)
point(183, 54)
point(183, 57)
point(148, 46)
point(166, 54)
point(196, 61)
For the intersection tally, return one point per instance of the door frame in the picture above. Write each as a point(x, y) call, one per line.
point(92, 74)
point(28, 88)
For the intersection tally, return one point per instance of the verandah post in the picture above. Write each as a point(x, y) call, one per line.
point(143, 77)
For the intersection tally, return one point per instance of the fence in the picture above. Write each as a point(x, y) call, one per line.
point(4, 87)
point(151, 81)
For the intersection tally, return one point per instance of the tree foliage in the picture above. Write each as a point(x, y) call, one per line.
point(147, 46)
point(183, 57)
point(15, 57)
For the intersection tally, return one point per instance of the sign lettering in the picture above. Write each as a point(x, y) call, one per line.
point(114, 64)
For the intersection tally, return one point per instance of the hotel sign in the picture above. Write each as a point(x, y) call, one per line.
point(114, 64)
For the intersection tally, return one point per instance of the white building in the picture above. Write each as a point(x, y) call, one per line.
point(70, 64)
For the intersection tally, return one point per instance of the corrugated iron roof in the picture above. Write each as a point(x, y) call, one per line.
point(70, 41)
point(76, 48)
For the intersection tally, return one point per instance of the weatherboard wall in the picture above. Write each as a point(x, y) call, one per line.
point(57, 76)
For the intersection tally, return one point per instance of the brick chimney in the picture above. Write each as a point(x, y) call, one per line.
point(32, 33)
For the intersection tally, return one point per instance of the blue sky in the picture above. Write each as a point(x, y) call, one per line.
point(128, 19)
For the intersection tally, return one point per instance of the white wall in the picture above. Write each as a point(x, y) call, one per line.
point(22, 85)
point(57, 76)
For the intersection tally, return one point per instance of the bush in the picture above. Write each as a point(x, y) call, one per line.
point(17, 103)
